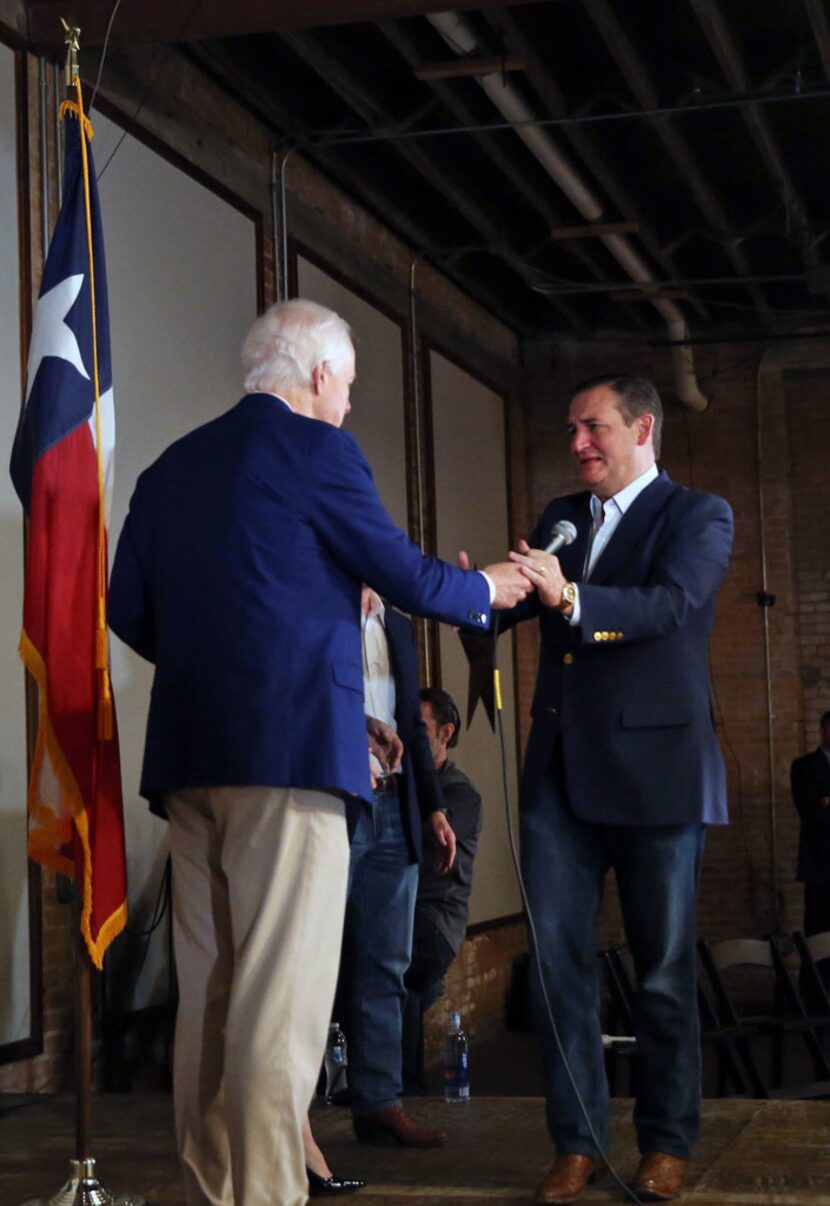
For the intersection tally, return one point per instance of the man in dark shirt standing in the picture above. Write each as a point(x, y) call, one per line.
point(810, 779)
point(443, 899)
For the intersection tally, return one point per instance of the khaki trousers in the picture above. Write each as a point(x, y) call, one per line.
point(259, 889)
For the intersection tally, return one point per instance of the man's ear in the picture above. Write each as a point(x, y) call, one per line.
point(645, 426)
point(319, 375)
point(445, 733)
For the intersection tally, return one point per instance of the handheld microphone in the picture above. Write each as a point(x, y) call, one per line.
point(563, 533)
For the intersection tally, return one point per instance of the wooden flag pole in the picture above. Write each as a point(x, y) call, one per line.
point(83, 1043)
point(83, 1188)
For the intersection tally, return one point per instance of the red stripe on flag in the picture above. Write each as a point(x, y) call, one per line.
point(75, 782)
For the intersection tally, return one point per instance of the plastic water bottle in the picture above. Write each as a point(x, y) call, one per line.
point(456, 1064)
point(336, 1062)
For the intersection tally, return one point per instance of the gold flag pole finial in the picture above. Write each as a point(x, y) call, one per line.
point(71, 34)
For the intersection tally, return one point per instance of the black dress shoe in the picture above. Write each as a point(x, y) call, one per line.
point(329, 1187)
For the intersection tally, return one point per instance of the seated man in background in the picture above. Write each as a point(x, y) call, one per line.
point(443, 900)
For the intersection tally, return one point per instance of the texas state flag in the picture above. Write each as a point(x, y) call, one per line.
point(75, 809)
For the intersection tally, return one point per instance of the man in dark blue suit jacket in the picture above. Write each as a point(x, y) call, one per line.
point(238, 574)
point(622, 770)
point(810, 780)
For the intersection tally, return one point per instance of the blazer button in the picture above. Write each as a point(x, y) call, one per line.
point(599, 636)
point(567, 658)
point(551, 711)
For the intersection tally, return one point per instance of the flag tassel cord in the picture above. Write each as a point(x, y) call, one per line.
point(105, 711)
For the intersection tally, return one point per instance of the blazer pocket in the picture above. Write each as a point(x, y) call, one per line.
point(656, 715)
point(348, 674)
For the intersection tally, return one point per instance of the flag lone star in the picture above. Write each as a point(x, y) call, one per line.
point(51, 335)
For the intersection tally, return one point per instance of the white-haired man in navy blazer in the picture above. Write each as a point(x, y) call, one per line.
point(238, 573)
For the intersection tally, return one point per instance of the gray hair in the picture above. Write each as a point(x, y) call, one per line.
point(289, 340)
point(635, 396)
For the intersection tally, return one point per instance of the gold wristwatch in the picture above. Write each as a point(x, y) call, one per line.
point(568, 597)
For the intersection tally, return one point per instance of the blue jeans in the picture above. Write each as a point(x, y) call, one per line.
point(564, 864)
point(383, 885)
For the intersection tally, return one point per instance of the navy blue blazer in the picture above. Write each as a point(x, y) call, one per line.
point(238, 573)
point(421, 792)
point(628, 688)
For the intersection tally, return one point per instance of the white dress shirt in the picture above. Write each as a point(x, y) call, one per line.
point(378, 682)
point(606, 516)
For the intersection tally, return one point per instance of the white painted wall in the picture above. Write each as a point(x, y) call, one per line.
point(15, 1017)
point(377, 418)
point(472, 513)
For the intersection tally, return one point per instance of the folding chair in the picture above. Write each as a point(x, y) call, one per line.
point(814, 955)
point(720, 958)
point(735, 1068)
point(737, 1074)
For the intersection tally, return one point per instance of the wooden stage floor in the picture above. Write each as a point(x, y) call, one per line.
point(749, 1152)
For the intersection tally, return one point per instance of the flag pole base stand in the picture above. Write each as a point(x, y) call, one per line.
point(84, 1189)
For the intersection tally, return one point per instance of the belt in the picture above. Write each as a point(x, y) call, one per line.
point(385, 783)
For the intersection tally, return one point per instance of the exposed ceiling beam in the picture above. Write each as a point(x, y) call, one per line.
point(352, 89)
point(570, 288)
point(723, 47)
point(13, 19)
point(515, 41)
point(593, 230)
point(450, 69)
point(505, 162)
point(648, 295)
point(821, 31)
point(224, 64)
point(163, 21)
point(636, 75)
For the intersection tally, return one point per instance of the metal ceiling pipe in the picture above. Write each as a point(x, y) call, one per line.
point(458, 35)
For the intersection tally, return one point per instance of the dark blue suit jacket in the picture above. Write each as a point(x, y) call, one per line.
point(238, 573)
point(421, 792)
point(628, 689)
point(810, 780)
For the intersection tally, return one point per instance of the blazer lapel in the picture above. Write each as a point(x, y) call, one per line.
point(632, 527)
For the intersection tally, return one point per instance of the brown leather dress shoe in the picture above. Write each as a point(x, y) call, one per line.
point(393, 1125)
point(566, 1178)
point(660, 1177)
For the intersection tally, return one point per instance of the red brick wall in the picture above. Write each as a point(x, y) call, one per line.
point(808, 412)
point(477, 986)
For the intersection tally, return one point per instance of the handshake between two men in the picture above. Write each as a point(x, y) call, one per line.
point(526, 570)
point(512, 581)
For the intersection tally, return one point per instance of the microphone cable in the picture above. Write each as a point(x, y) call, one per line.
point(531, 925)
